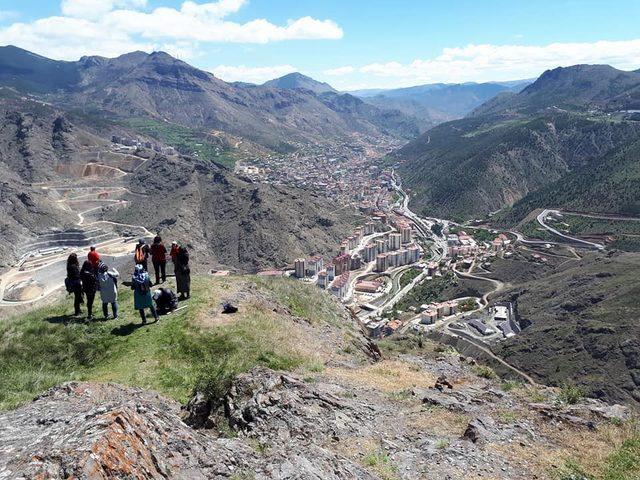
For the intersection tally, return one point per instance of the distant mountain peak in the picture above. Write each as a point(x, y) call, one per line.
point(297, 80)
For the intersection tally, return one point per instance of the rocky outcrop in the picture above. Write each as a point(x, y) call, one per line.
point(97, 431)
point(82, 430)
point(274, 425)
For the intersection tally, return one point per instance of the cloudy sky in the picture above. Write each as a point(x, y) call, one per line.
point(351, 44)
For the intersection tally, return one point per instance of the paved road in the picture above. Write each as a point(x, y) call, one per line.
point(541, 220)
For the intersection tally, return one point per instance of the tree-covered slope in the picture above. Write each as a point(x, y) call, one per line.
point(478, 165)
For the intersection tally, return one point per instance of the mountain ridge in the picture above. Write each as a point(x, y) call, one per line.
point(516, 144)
point(159, 86)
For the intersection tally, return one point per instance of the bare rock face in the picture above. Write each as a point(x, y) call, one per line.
point(105, 431)
point(98, 431)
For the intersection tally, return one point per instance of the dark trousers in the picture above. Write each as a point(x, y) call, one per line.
point(114, 307)
point(77, 300)
point(90, 298)
point(161, 271)
point(143, 316)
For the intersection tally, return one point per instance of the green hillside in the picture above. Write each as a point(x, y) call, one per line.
point(194, 347)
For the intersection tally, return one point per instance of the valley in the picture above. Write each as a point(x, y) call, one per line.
point(388, 284)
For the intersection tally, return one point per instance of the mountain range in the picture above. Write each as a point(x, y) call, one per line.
point(161, 87)
point(439, 102)
point(573, 126)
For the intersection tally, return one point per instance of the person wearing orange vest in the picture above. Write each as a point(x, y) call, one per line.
point(141, 254)
point(93, 257)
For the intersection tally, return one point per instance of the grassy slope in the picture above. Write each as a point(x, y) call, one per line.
point(193, 347)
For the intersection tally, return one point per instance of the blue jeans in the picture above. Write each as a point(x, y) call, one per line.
point(114, 307)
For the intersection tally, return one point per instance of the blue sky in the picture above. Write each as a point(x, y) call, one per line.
point(349, 43)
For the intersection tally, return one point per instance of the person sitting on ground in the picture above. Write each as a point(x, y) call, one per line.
point(166, 300)
point(73, 282)
point(141, 286)
point(159, 259)
point(183, 273)
point(108, 283)
point(93, 257)
point(89, 286)
point(141, 254)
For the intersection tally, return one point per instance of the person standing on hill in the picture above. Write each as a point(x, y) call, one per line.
point(174, 251)
point(94, 257)
point(73, 282)
point(183, 273)
point(142, 299)
point(141, 254)
point(108, 283)
point(159, 259)
point(89, 286)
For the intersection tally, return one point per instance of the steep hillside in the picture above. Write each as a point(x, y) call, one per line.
point(610, 186)
point(584, 87)
point(161, 87)
point(287, 387)
point(583, 326)
point(555, 130)
point(479, 165)
point(227, 221)
point(231, 222)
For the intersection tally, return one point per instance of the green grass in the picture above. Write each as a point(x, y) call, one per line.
point(46, 347)
point(380, 464)
point(622, 464)
point(186, 140)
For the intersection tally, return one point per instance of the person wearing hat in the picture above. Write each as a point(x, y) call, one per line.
point(93, 257)
point(141, 254)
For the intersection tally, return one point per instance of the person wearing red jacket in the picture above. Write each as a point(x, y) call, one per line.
point(93, 257)
point(159, 259)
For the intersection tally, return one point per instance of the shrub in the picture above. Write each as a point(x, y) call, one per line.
point(570, 394)
point(485, 372)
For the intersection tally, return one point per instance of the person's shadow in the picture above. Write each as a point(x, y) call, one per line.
point(128, 329)
point(65, 319)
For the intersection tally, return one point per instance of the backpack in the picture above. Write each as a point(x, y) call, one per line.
point(139, 255)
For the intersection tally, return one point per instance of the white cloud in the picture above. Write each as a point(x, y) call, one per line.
point(503, 62)
point(251, 74)
point(113, 27)
point(339, 71)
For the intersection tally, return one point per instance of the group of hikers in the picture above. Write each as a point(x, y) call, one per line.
point(95, 276)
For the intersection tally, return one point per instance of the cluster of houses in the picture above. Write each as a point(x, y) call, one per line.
point(136, 143)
